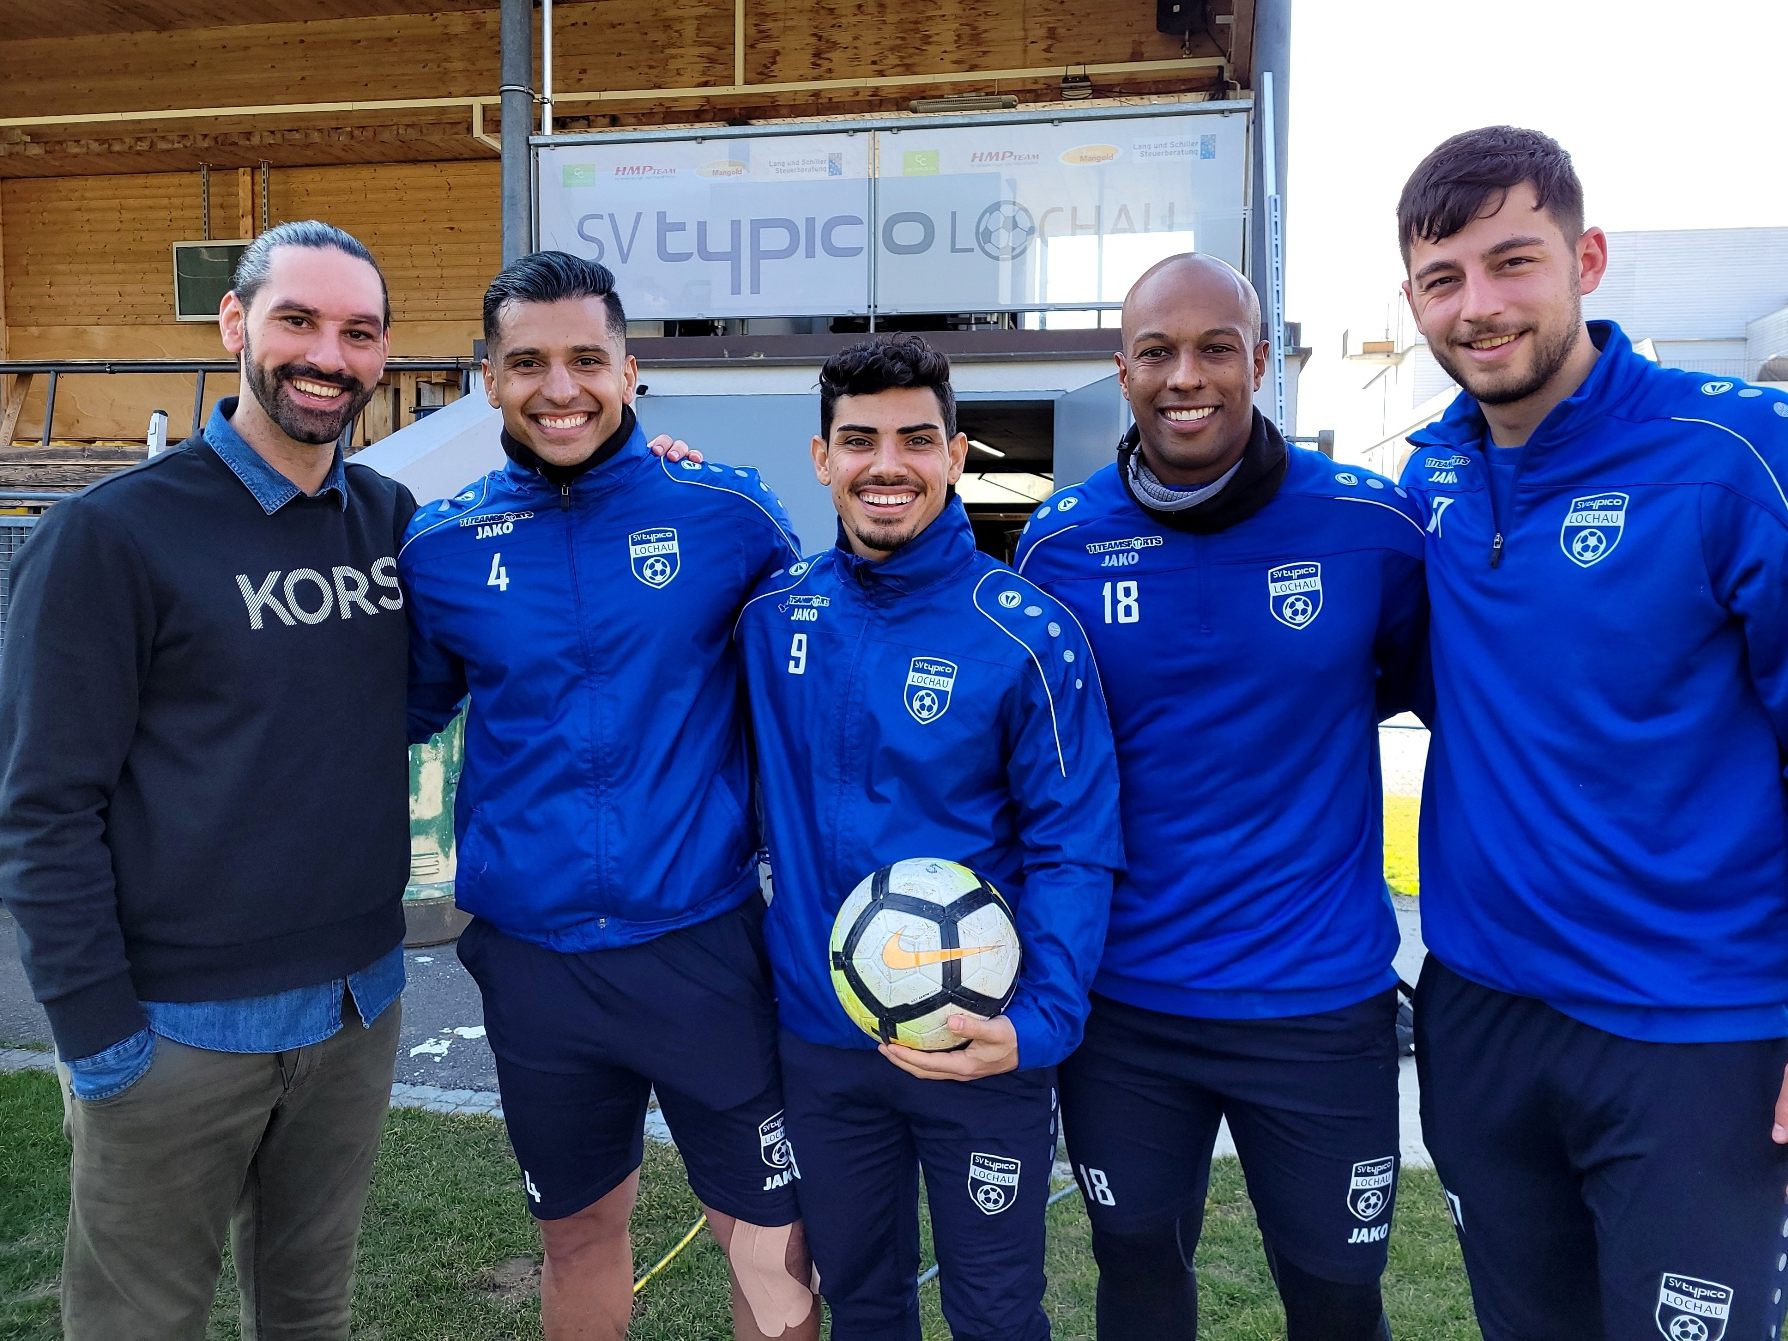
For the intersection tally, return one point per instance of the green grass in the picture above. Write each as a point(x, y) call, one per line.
point(1400, 815)
point(447, 1249)
point(33, 1203)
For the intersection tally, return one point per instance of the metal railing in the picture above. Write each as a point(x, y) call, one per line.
point(20, 510)
point(25, 371)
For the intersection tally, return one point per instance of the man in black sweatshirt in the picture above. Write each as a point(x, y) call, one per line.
point(203, 822)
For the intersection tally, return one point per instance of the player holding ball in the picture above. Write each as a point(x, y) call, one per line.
point(914, 698)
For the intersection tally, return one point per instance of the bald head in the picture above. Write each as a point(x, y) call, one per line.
point(1191, 362)
point(1207, 274)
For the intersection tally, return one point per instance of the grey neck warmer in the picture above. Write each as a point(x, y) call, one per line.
point(1164, 498)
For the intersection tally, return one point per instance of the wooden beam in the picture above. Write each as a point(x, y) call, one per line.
point(2, 283)
point(245, 203)
point(85, 18)
point(1241, 43)
point(15, 406)
point(380, 418)
point(738, 41)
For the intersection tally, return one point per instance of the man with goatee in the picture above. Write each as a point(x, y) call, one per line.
point(203, 823)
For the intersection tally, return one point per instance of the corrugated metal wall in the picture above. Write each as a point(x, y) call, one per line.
point(1766, 339)
point(1692, 283)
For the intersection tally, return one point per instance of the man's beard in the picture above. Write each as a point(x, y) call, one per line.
point(882, 542)
point(1547, 360)
point(301, 423)
point(886, 541)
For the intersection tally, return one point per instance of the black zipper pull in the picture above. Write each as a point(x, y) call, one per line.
point(565, 498)
point(1496, 550)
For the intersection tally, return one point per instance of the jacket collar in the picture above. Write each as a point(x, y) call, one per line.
point(624, 447)
point(1614, 380)
point(940, 550)
point(1256, 480)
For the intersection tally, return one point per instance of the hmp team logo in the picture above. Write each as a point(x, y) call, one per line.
point(654, 555)
point(1592, 528)
point(929, 681)
point(1692, 1310)
point(1369, 1191)
point(778, 1153)
point(1295, 593)
point(993, 1181)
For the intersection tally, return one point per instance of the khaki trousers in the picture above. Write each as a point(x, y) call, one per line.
point(276, 1149)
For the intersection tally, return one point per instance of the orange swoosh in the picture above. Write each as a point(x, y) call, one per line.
point(897, 956)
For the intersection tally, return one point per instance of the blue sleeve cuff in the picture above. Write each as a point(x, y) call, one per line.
point(109, 1073)
point(1038, 1043)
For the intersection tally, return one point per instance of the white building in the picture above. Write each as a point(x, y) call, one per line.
point(1712, 299)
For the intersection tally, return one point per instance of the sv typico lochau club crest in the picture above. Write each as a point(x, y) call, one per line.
point(654, 556)
point(993, 1181)
point(929, 681)
point(1294, 591)
point(1592, 528)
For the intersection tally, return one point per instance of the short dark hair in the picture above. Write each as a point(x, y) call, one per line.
point(552, 277)
point(1455, 183)
point(256, 262)
point(881, 364)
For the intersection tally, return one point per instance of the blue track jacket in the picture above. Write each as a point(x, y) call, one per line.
point(1248, 669)
point(1603, 825)
point(606, 797)
point(934, 704)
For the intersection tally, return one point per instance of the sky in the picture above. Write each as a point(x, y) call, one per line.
point(1676, 115)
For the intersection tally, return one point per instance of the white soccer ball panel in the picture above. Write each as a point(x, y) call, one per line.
point(930, 878)
point(929, 1033)
point(990, 972)
point(897, 935)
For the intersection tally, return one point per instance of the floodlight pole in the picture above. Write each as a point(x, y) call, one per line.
point(546, 67)
point(516, 34)
point(1275, 247)
point(1270, 73)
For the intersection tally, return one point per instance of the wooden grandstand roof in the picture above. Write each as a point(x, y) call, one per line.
point(133, 86)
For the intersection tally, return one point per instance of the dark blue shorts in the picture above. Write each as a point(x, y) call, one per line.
point(1311, 1102)
point(865, 1129)
point(581, 1041)
point(1603, 1189)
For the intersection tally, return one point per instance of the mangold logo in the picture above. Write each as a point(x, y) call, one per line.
point(1090, 153)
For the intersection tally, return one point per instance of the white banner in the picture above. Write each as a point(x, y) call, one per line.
point(765, 226)
point(985, 217)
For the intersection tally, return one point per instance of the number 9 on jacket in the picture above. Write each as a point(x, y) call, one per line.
point(918, 942)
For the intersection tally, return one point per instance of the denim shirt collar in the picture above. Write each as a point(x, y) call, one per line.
point(271, 489)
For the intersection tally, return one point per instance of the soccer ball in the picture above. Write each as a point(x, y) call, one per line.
point(1004, 230)
point(918, 942)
